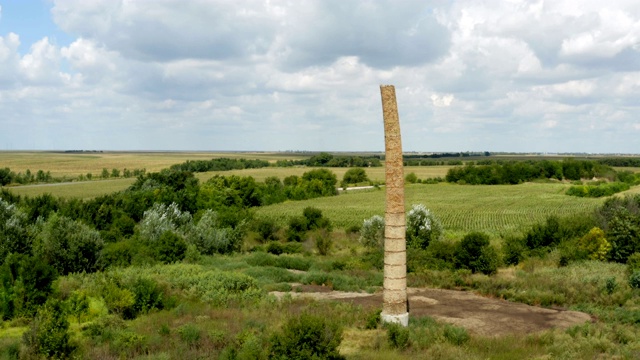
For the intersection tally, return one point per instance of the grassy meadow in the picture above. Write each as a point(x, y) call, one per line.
point(220, 306)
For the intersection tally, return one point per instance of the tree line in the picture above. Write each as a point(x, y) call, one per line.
point(515, 172)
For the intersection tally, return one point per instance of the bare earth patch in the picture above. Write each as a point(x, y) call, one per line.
point(478, 314)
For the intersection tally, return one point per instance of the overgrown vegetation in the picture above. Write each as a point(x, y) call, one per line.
point(173, 267)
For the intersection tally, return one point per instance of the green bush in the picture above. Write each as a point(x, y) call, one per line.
point(67, 245)
point(267, 230)
point(624, 235)
point(398, 336)
point(25, 283)
point(14, 234)
point(307, 337)
point(474, 253)
point(354, 176)
point(411, 178)
point(633, 263)
point(595, 244)
point(297, 229)
point(278, 248)
point(488, 262)
point(124, 253)
point(456, 335)
point(48, 334)
point(147, 296)
point(323, 241)
point(170, 247)
point(189, 333)
point(315, 219)
point(373, 320)
point(634, 279)
point(514, 250)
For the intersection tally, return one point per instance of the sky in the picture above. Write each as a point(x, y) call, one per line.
point(285, 75)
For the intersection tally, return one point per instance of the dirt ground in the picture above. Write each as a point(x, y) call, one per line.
point(479, 315)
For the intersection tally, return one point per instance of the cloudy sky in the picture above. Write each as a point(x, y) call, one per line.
point(470, 75)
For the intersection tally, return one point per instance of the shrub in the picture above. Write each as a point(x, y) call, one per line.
point(25, 283)
point(297, 229)
point(161, 218)
point(267, 230)
point(315, 220)
point(323, 240)
point(147, 294)
point(372, 232)
point(624, 235)
point(514, 250)
point(170, 247)
point(48, 334)
point(67, 245)
point(210, 236)
point(411, 178)
point(354, 176)
point(456, 335)
point(398, 336)
point(124, 253)
point(189, 333)
point(307, 337)
point(595, 244)
point(634, 279)
point(488, 262)
point(474, 253)
point(373, 320)
point(633, 263)
point(422, 227)
point(14, 236)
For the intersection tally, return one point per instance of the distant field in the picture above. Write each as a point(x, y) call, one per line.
point(495, 209)
point(375, 173)
point(81, 190)
point(74, 164)
point(91, 189)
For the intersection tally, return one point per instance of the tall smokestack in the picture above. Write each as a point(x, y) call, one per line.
point(394, 307)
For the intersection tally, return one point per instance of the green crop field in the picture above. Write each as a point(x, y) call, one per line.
point(374, 174)
point(495, 209)
point(91, 189)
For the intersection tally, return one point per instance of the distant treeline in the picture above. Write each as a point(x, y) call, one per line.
point(328, 160)
point(222, 164)
point(11, 177)
point(621, 162)
point(515, 172)
point(446, 155)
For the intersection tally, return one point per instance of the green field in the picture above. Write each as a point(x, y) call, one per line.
point(217, 304)
point(495, 209)
point(91, 189)
point(80, 190)
point(73, 164)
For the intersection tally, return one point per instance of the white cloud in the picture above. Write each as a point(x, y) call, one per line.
point(442, 100)
point(277, 75)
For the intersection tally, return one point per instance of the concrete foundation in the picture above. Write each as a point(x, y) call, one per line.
point(402, 319)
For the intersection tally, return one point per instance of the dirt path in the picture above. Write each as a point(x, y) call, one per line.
point(479, 315)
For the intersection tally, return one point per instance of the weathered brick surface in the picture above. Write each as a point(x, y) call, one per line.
point(395, 260)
